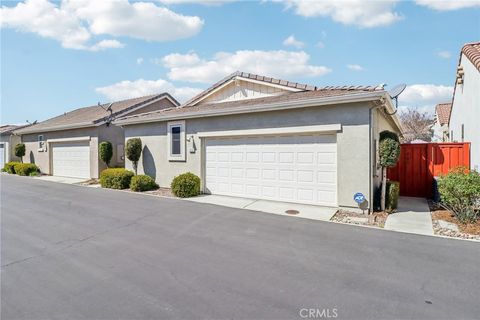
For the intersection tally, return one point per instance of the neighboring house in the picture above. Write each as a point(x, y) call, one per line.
point(7, 143)
point(440, 126)
point(465, 116)
point(67, 145)
point(264, 138)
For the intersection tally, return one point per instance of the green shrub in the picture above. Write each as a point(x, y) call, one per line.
point(388, 135)
point(393, 192)
point(115, 178)
point(34, 174)
point(133, 150)
point(143, 183)
point(389, 150)
point(105, 152)
point(10, 167)
point(20, 150)
point(460, 193)
point(25, 169)
point(186, 185)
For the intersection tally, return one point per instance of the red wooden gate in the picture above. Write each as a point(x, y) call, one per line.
point(419, 163)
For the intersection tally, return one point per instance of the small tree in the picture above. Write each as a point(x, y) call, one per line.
point(416, 125)
point(20, 151)
point(133, 150)
point(389, 152)
point(105, 151)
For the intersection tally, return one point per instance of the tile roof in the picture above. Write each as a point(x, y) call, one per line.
point(286, 83)
point(231, 105)
point(92, 115)
point(8, 128)
point(472, 52)
point(443, 111)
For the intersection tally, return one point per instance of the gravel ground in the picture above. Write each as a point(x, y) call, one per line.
point(376, 219)
point(446, 218)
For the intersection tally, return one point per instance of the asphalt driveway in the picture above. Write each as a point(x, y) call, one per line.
point(71, 252)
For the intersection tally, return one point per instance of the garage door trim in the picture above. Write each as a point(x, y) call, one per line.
point(87, 138)
point(272, 131)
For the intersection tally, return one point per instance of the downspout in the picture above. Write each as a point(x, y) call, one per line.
point(375, 106)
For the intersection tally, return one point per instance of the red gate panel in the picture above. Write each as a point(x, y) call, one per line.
point(419, 163)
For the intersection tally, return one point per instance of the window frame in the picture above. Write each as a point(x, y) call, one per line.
point(40, 142)
point(182, 155)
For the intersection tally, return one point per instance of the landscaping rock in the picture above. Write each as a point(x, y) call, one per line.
point(358, 219)
point(448, 225)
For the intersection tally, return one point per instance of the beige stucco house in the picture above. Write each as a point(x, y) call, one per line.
point(440, 126)
point(67, 145)
point(465, 114)
point(260, 137)
point(8, 140)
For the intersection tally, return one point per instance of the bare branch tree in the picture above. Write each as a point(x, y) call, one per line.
point(416, 125)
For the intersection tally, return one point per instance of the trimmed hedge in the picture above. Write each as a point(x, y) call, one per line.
point(143, 183)
point(393, 192)
point(19, 150)
point(10, 167)
point(115, 178)
point(105, 152)
point(186, 185)
point(25, 169)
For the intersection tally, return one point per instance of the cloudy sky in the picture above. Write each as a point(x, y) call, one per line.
point(57, 56)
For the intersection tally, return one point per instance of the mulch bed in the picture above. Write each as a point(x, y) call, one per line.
point(465, 231)
point(376, 219)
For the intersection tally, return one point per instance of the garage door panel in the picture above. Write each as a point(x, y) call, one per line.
point(2, 155)
point(293, 168)
point(71, 159)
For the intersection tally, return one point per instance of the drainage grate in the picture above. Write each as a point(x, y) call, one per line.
point(291, 211)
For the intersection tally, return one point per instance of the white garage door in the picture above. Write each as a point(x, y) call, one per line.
point(71, 159)
point(2, 155)
point(297, 168)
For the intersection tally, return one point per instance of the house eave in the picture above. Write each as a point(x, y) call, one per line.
point(285, 105)
point(58, 128)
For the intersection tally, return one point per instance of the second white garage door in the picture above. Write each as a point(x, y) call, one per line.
point(297, 168)
point(2, 155)
point(71, 159)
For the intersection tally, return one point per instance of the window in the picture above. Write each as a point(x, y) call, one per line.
point(40, 141)
point(176, 141)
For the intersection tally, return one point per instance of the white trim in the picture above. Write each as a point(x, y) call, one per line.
point(6, 151)
point(272, 131)
point(283, 105)
point(182, 155)
point(69, 139)
point(274, 85)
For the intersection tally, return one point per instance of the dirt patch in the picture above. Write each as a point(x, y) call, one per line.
point(444, 223)
point(376, 219)
point(90, 182)
point(164, 192)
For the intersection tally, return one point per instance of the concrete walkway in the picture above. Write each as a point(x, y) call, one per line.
point(413, 216)
point(276, 207)
point(66, 180)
